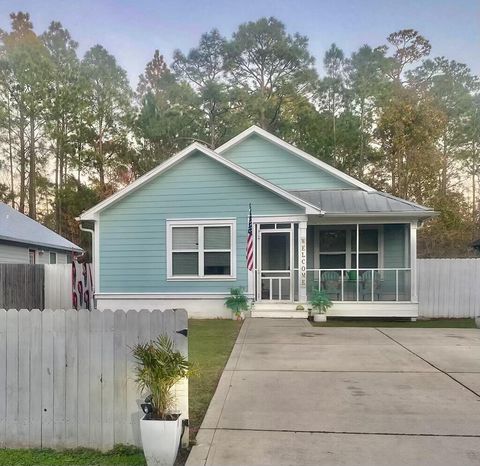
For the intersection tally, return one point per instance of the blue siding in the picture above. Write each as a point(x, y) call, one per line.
point(133, 231)
point(281, 167)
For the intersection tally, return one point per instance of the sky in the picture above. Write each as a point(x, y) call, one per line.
point(132, 30)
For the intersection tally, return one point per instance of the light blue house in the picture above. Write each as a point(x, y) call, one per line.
point(176, 237)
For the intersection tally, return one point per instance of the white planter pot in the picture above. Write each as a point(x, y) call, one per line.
point(241, 317)
point(319, 317)
point(160, 440)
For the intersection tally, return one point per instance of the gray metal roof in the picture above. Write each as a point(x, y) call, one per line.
point(353, 201)
point(19, 228)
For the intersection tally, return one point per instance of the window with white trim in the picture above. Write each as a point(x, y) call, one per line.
point(201, 249)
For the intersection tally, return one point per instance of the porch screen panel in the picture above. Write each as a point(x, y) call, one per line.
point(333, 254)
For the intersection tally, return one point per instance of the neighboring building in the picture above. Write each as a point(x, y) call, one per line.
point(25, 241)
point(176, 237)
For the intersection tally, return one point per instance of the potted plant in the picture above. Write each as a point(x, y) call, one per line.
point(237, 302)
point(159, 366)
point(320, 303)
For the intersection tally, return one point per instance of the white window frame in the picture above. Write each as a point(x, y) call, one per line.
point(50, 257)
point(201, 224)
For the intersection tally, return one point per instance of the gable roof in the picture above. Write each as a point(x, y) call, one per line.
point(17, 227)
point(348, 202)
point(192, 148)
point(255, 130)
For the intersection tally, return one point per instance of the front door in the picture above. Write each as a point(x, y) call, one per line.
point(275, 274)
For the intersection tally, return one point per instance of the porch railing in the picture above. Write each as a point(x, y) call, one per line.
point(366, 284)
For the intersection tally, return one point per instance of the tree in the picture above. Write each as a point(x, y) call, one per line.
point(333, 86)
point(203, 68)
point(107, 122)
point(451, 85)
point(27, 72)
point(409, 47)
point(269, 65)
point(168, 117)
point(407, 133)
point(65, 107)
point(367, 81)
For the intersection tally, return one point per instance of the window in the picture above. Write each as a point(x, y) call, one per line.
point(53, 258)
point(31, 256)
point(201, 250)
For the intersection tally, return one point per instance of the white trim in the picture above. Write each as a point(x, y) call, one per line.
point(309, 208)
point(201, 224)
point(279, 218)
point(409, 213)
point(294, 150)
point(186, 295)
point(302, 261)
point(413, 260)
point(375, 309)
point(361, 219)
point(96, 256)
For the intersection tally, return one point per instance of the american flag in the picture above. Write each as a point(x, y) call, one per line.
point(250, 239)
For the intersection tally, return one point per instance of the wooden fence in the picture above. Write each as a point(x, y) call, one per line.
point(66, 377)
point(449, 287)
point(44, 286)
point(22, 286)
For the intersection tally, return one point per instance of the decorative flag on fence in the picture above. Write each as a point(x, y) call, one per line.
point(82, 285)
point(250, 239)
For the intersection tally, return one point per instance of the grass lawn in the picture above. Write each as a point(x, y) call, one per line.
point(120, 455)
point(210, 345)
point(431, 323)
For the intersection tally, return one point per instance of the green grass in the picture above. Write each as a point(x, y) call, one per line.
point(210, 344)
point(431, 323)
point(120, 455)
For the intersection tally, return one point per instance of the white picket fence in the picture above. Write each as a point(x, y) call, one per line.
point(66, 376)
point(449, 287)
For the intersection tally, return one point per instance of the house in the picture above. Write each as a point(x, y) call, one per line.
point(176, 237)
point(25, 241)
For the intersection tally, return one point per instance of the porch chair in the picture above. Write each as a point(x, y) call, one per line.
point(331, 284)
point(367, 284)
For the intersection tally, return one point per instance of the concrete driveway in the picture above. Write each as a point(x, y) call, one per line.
point(293, 394)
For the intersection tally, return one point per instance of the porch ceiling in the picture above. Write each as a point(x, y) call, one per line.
point(351, 201)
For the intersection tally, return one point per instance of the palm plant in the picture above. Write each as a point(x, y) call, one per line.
point(320, 301)
point(159, 366)
point(237, 301)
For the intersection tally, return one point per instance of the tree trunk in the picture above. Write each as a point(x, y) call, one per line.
point(10, 151)
point(32, 185)
point(444, 166)
point(361, 168)
point(23, 175)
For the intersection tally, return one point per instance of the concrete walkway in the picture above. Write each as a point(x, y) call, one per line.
point(293, 394)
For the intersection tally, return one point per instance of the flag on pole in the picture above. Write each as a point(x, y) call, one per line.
point(250, 239)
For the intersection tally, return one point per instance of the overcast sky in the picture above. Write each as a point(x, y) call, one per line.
point(132, 30)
